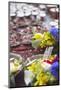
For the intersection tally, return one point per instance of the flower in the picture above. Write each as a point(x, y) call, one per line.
point(55, 69)
point(42, 76)
point(31, 67)
point(37, 36)
point(35, 67)
point(41, 79)
point(54, 32)
point(42, 40)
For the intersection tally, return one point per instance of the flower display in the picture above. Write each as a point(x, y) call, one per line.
point(43, 40)
point(42, 77)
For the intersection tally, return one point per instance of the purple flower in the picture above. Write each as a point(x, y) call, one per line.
point(54, 32)
point(55, 69)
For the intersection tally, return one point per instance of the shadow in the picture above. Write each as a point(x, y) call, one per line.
point(6, 86)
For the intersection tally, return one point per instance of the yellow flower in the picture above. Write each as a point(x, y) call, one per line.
point(40, 76)
point(45, 78)
point(37, 36)
point(31, 67)
point(42, 79)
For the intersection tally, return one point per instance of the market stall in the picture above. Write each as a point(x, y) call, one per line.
point(34, 44)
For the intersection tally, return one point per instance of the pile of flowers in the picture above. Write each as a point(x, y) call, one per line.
point(42, 76)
